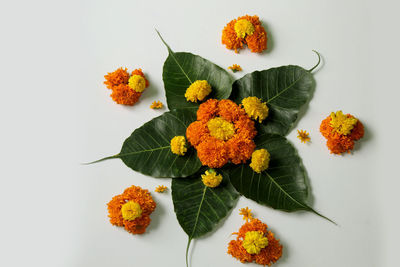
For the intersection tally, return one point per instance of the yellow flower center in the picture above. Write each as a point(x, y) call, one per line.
point(178, 145)
point(243, 27)
point(341, 123)
point(254, 241)
point(220, 128)
point(211, 178)
point(137, 83)
point(131, 210)
point(198, 91)
point(255, 108)
point(260, 160)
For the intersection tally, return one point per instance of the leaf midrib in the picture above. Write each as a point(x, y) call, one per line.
point(198, 212)
point(287, 88)
point(143, 151)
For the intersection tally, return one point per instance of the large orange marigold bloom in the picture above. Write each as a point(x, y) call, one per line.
point(245, 30)
point(339, 143)
point(137, 195)
point(266, 255)
point(118, 82)
point(229, 138)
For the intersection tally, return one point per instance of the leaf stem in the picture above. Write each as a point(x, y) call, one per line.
point(100, 160)
point(322, 216)
point(187, 251)
point(319, 61)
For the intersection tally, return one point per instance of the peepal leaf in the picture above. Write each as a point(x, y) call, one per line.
point(285, 89)
point(181, 69)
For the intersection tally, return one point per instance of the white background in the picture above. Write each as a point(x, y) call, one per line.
point(57, 114)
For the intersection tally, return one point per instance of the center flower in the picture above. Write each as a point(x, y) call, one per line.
point(254, 241)
point(342, 123)
point(131, 210)
point(220, 128)
point(243, 27)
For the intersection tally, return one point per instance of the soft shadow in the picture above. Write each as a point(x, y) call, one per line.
point(150, 92)
point(270, 39)
point(157, 215)
point(285, 253)
point(368, 135)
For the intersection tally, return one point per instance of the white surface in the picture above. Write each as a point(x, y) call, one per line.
point(56, 114)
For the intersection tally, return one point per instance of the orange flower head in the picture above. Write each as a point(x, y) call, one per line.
point(119, 76)
point(132, 209)
point(254, 236)
point(245, 30)
point(223, 132)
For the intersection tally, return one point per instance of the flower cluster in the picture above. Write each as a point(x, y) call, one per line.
point(235, 68)
point(126, 89)
point(254, 243)
point(161, 189)
point(341, 130)
point(156, 105)
point(132, 209)
point(245, 30)
point(223, 132)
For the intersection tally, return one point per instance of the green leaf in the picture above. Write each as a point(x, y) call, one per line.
point(182, 69)
point(148, 149)
point(283, 185)
point(285, 89)
point(200, 208)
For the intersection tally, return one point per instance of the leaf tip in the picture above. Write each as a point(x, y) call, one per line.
point(165, 43)
point(100, 160)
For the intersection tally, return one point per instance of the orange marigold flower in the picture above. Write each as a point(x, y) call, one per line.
point(337, 142)
point(135, 195)
point(266, 255)
point(124, 95)
point(228, 139)
point(120, 76)
point(245, 30)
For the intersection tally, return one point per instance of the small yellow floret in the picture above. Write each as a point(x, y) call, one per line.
point(243, 27)
point(178, 145)
point(131, 210)
point(156, 105)
point(211, 178)
point(220, 128)
point(235, 68)
point(198, 91)
point(160, 188)
point(246, 212)
point(260, 160)
point(303, 136)
point(341, 123)
point(255, 108)
point(137, 83)
point(254, 241)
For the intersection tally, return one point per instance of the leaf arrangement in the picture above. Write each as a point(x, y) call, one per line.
point(199, 209)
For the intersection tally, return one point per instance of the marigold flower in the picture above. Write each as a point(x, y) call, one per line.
point(256, 109)
point(132, 209)
point(137, 83)
point(254, 236)
point(156, 105)
point(235, 68)
point(197, 91)
point(119, 76)
point(245, 30)
point(341, 131)
point(246, 213)
point(178, 145)
point(260, 160)
point(223, 132)
point(303, 136)
point(124, 95)
point(211, 179)
point(161, 188)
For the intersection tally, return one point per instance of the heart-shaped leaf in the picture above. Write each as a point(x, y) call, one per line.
point(181, 69)
point(148, 149)
point(285, 89)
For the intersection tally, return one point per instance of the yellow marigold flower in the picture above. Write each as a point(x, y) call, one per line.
point(243, 27)
point(220, 128)
point(254, 241)
point(178, 145)
point(260, 160)
point(342, 123)
point(198, 91)
point(211, 178)
point(303, 136)
point(137, 83)
point(246, 212)
point(131, 210)
point(160, 188)
point(255, 108)
point(235, 68)
point(156, 105)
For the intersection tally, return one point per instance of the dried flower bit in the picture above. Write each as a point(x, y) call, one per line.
point(160, 189)
point(254, 243)
point(178, 145)
point(156, 105)
point(235, 68)
point(260, 160)
point(197, 91)
point(246, 213)
point(303, 136)
point(132, 209)
point(211, 179)
point(341, 131)
point(255, 108)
